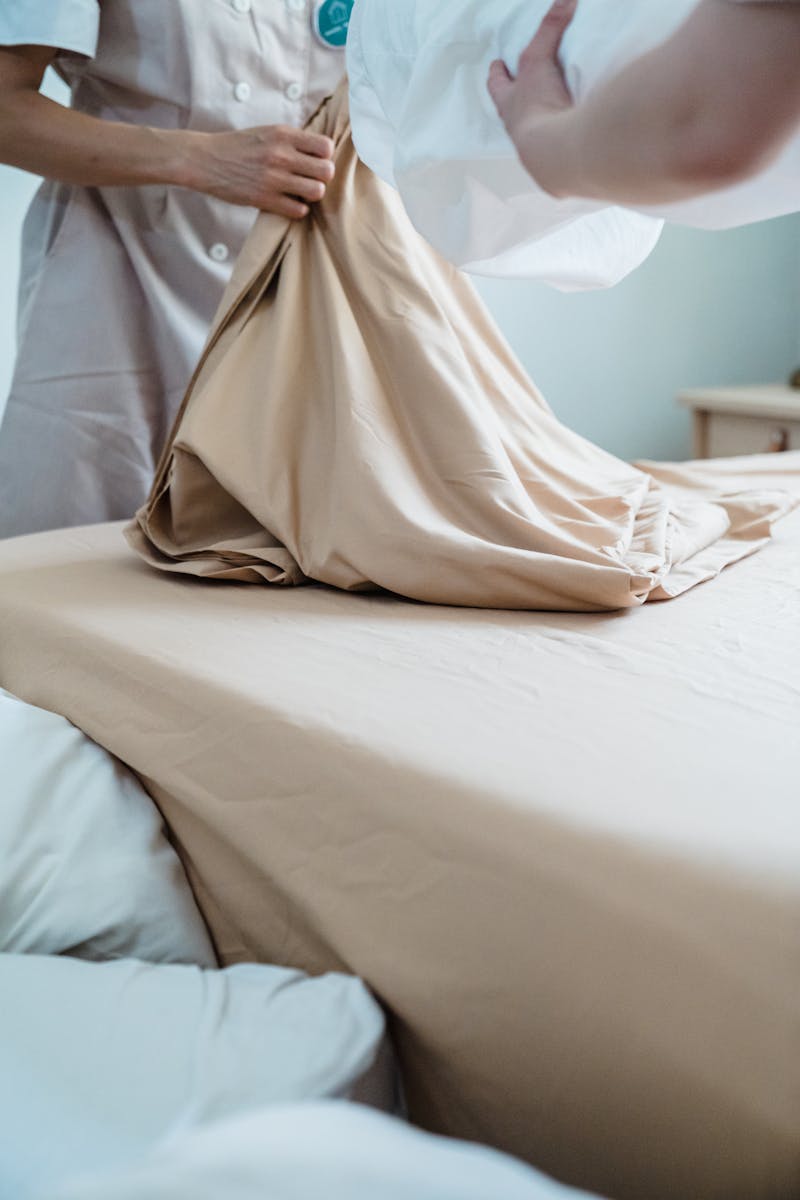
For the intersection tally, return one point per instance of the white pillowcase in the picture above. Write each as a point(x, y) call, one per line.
point(98, 1061)
point(318, 1152)
point(85, 866)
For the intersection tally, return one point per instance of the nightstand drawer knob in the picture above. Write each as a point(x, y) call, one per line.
point(778, 441)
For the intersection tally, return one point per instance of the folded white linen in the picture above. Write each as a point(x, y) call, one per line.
point(423, 120)
point(311, 1151)
point(98, 1061)
point(85, 865)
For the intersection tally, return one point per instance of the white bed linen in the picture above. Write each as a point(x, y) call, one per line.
point(423, 120)
point(316, 1152)
point(99, 1061)
point(85, 865)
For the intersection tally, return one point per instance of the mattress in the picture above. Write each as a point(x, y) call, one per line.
point(563, 849)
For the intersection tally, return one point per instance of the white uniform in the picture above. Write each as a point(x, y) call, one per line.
point(119, 285)
point(423, 120)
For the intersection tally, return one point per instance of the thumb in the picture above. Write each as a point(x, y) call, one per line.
point(500, 84)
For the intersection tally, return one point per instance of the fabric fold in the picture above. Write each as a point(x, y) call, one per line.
point(358, 420)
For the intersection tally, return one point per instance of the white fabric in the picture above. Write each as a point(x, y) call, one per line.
point(98, 1061)
point(85, 866)
point(118, 285)
point(318, 1152)
point(423, 119)
point(68, 24)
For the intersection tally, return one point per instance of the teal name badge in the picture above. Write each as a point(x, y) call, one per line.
point(331, 20)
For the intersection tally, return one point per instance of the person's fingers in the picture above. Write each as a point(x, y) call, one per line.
point(287, 206)
point(306, 189)
point(500, 83)
point(314, 144)
point(322, 169)
point(547, 42)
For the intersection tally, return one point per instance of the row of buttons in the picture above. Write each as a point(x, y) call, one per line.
point(242, 91)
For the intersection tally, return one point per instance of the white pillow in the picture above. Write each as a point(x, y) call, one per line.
point(98, 1061)
point(85, 866)
point(317, 1152)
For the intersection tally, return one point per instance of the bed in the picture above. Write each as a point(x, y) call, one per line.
point(563, 850)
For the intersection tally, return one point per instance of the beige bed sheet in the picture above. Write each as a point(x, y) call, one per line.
point(358, 419)
point(563, 849)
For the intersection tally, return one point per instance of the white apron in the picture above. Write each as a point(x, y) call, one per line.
point(446, 151)
point(119, 285)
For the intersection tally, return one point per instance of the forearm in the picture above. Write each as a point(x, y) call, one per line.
point(41, 136)
point(616, 146)
point(710, 107)
point(272, 167)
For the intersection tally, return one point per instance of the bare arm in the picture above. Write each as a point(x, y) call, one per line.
point(711, 107)
point(272, 167)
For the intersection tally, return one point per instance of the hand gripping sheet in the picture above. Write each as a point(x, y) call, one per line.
point(423, 119)
point(357, 420)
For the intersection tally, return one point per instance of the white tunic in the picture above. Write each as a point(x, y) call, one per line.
point(119, 285)
point(423, 120)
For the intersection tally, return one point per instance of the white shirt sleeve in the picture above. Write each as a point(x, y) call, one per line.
point(66, 24)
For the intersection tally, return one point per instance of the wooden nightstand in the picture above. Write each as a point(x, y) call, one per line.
point(744, 420)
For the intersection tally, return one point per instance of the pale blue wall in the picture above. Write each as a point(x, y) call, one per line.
point(16, 189)
point(705, 309)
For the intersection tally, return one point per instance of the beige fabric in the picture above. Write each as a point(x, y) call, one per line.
point(119, 285)
point(399, 445)
point(563, 848)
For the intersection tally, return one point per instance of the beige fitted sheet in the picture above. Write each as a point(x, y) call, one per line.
point(563, 849)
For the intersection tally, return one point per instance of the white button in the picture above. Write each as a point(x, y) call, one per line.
point(294, 91)
point(242, 91)
point(219, 252)
point(296, 6)
point(243, 6)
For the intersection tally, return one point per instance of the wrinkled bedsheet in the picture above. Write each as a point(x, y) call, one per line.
point(563, 849)
point(396, 443)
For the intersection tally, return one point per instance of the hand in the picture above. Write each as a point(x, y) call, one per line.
point(540, 89)
point(272, 167)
